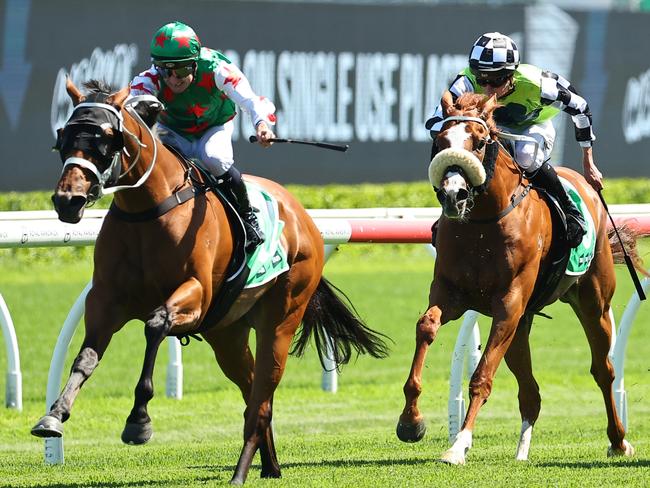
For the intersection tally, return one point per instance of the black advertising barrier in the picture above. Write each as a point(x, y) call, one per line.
point(363, 75)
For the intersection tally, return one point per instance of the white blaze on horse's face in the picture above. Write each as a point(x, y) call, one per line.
point(458, 136)
point(455, 187)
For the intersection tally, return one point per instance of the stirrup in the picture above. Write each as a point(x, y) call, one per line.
point(254, 235)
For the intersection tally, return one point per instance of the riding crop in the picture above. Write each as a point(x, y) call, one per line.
point(324, 145)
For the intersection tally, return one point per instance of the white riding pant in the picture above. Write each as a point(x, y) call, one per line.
point(544, 134)
point(213, 149)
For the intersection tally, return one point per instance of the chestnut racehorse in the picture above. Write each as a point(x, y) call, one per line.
point(166, 270)
point(493, 242)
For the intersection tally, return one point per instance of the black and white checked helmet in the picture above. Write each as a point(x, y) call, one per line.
point(494, 52)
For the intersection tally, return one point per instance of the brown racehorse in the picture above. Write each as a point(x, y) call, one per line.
point(493, 242)
point(167, 270)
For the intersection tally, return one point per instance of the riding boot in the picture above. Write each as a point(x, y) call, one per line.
point(254, 235)
point(547, 179)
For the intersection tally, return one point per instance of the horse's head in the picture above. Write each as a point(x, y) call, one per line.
point(461, 169)
point(90, 145)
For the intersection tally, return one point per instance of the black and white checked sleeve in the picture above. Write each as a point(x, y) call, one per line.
point(558, 92)
point(459, 86)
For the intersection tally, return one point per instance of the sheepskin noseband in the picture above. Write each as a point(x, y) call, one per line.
point(469, 163)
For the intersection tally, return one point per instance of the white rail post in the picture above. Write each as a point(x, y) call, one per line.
point(466, 345)
point(174, 387)
point(618, 348)
point(54, 445)
point(14, 386)
point(330, 377)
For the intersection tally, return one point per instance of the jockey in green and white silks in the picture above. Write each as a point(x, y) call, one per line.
point(200, 90)
point(530, 98)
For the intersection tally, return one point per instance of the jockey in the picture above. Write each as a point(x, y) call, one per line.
point(530, 98)
point(200, 89)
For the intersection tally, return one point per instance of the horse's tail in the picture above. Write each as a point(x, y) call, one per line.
point(628, 238)
point(332, 321)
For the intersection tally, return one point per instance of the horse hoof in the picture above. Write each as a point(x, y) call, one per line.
point(48, 426)
point(627, 450)
point(270, 474)
point(136, 434)
point(411, 432)
point(452, 456)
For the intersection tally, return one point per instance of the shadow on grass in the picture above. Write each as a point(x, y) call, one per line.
point(618, 463)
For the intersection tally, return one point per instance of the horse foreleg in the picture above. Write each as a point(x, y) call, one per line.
point(504, 325)
point(182, 308)
point(98, 335)
point(519, 362)
point(411, 426)
point(51, 425)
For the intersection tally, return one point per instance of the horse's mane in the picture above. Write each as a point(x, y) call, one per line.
point(98, 90)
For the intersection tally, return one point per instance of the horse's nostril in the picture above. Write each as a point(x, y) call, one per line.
point(462, 194)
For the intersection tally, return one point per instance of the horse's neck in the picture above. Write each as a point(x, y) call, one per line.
point(501, 189)
point(165, 177)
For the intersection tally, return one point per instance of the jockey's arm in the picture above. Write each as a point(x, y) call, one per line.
point(236, 86)
point(558, 91)
point(146, 83)
point(459, 86)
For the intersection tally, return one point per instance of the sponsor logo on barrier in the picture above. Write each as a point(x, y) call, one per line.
point(115, 67)
point(378, 97)
point(636, 108)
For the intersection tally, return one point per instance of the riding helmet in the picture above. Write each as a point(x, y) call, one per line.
point(175, 42)
point(493, 52)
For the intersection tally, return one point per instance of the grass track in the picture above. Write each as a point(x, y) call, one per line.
point(346, 439)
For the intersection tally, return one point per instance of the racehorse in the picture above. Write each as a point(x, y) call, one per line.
point(169, 265)
point(495, 244)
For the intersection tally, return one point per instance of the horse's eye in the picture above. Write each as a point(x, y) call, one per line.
point(480, 144)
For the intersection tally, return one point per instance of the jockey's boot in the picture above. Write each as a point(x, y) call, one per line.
point(546, 178)
point(254, 234)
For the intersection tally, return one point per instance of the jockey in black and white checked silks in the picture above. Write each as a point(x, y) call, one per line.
point(494, 52)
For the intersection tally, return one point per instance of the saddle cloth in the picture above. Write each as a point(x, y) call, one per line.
point(581, 256)
point(270, 258)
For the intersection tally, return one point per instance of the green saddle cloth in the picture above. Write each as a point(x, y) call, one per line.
point(270, 258)
point(581, 256)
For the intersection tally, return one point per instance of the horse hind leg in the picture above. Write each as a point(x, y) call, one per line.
point(519, 362)
point(596, 322)
point(231, 349)
point(182, 308)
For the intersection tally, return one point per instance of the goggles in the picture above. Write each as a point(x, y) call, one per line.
point(167, 70)
point(493, 82)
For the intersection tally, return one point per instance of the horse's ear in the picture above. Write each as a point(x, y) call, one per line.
point(447, 102)
point(73, 92)
point(118, 99)
point(489, 106)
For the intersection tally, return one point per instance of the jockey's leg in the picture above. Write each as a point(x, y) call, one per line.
point(547, 178)
point(215, 149)
point(254, 235)
point(533, 159)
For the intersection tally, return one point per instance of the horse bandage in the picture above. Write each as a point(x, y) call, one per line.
point(470, 164)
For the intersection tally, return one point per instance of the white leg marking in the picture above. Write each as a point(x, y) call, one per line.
point(456, 453)
point(524, 441)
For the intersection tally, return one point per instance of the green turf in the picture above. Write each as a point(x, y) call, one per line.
point(323, 439)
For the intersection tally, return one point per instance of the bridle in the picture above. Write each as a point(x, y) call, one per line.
point(111, 175)
point(489, 160)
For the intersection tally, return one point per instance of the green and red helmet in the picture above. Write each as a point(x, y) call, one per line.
point(175, 43)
